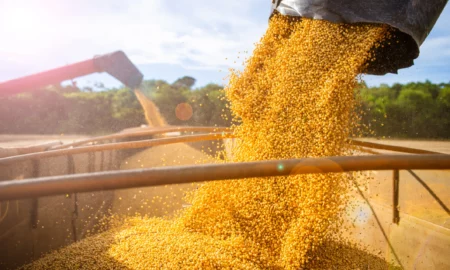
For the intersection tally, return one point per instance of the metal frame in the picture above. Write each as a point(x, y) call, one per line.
point(115, 146)
point(143, 132)
point(109, 180)
point(116, 64)
point(46, 186)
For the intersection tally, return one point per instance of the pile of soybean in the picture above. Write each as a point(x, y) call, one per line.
point(295, 98)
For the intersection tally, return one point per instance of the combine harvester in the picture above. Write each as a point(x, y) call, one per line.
point(56, 194)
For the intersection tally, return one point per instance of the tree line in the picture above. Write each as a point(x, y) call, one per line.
point(70, 110)
point(413, 110)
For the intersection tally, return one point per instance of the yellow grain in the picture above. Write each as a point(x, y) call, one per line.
point(151, 112)
point(294, 99)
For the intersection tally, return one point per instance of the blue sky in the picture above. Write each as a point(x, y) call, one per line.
point(165, 39)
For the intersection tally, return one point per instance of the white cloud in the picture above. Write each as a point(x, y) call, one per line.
point(197, 34)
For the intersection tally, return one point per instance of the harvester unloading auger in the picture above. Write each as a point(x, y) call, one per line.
point(412, 21)
point(115, 64)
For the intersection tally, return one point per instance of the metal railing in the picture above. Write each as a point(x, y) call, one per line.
point(110, 180)
point(115, 146)
point(45, 186)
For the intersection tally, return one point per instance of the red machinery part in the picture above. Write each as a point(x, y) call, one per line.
point(116, 64)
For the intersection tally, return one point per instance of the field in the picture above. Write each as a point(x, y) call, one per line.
point(414, 199)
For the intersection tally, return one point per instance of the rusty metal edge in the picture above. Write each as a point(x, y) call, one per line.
point(46, 186)
point(143, 132)
point(114, 146)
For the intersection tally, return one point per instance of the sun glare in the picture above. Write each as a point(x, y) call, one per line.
point(22, 24)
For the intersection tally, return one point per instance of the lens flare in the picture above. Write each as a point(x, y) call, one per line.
point(183, 111)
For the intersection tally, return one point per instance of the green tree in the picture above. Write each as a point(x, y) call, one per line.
point(413, 110)
point(209, 106)
point(443, 112)
point(184, 82)
point(126, 110)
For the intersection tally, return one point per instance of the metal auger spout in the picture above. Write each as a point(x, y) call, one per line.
point(412, 21)
point(116, 64)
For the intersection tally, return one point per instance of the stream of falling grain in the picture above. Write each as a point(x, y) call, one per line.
point(295, 98)
point(151, 112)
